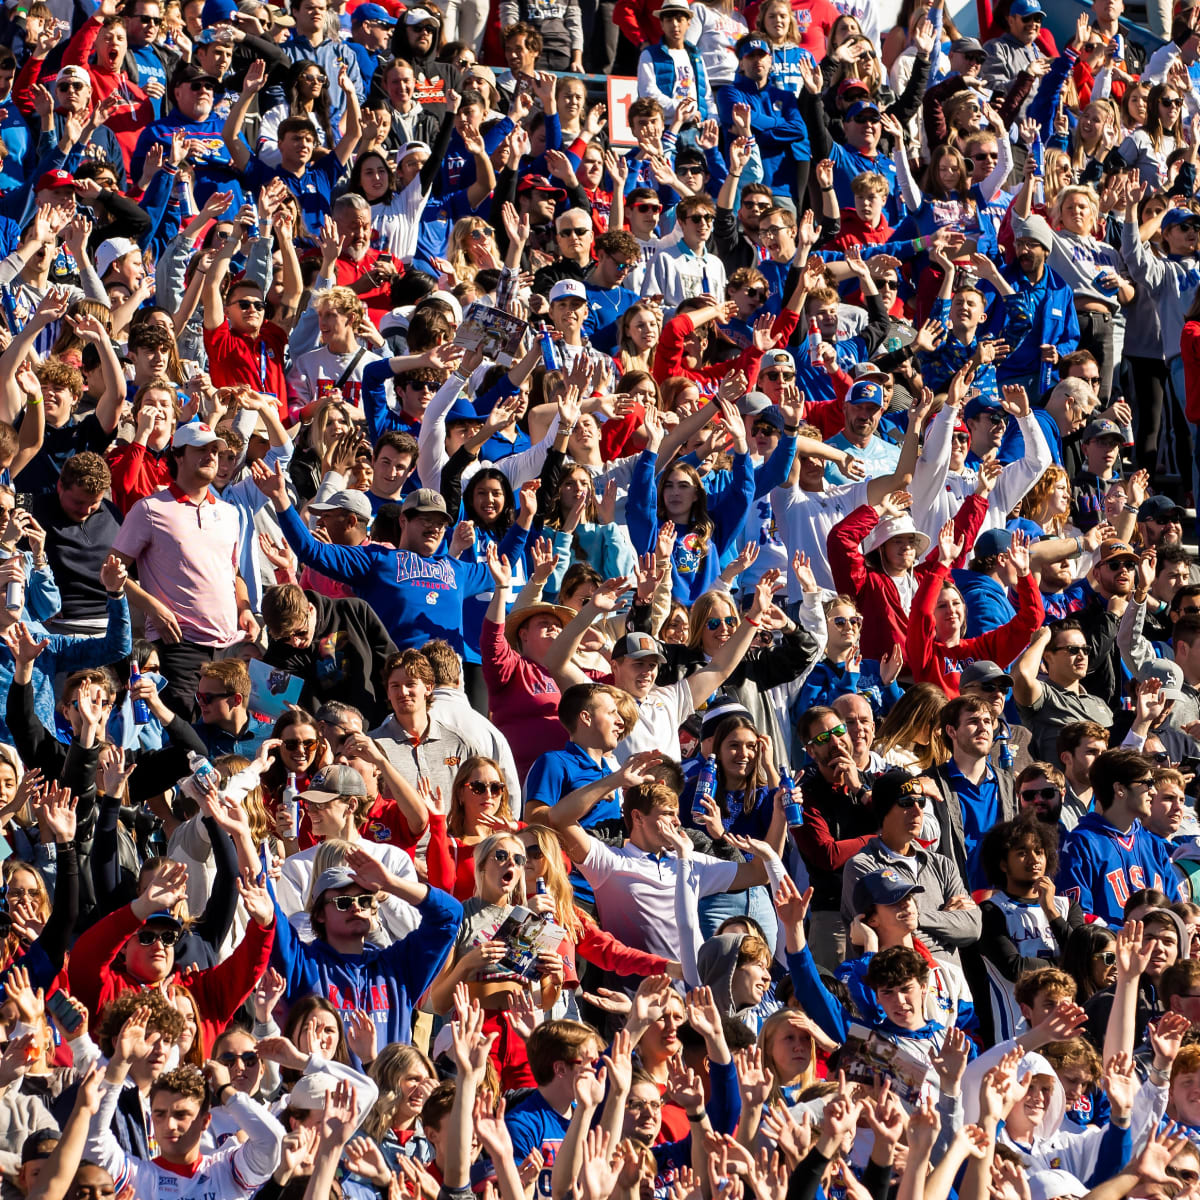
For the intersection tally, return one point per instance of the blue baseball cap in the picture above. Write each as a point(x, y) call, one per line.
point(751, 44)
point(886, 886)
point(1026, 8)
point(373, 12)
point(859, 107)
point(217, 12)
point(1024, 525)
point(981, 405)
point(866, 392)
point(1178, 216)
point(992, 542)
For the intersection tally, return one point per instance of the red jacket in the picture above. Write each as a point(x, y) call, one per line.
point(931, 661)
point(1189, 347)
point(137, 472)
point(98, 979)
point(636, 20)
point(668, 357)
point(885, 623)
point(856, 232)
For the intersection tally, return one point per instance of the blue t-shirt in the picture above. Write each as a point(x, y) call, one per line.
point(534, 1125)
point(150, 69)
point(604, 311)
point(313, 189)
point(980, 804)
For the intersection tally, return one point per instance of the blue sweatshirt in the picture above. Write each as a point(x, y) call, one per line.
point(828, 680)
point(383, 981)
point(1041, 314)
point(779, 130)
point(988, 606)
point(417, 598)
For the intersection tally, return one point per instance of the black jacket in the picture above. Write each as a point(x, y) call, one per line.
point(344, 659)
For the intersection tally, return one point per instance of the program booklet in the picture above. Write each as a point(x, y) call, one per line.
point(493, 332)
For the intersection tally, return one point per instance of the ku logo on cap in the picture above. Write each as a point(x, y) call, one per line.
point(890, 874)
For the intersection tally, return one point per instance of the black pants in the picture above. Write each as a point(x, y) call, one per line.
point(181, 663)
point(1148, 401)
point(1096, 335)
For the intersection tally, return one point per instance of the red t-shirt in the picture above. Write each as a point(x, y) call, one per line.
point(234, 358)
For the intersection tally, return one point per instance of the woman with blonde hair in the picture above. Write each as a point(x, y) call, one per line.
point(909, 736)
point(777, 23)
point(479, 805)
point(472, 247)
point(312, 460)
point(1147, 149)
point(405, 1078)
point(793, 1047)
point(638, 329)
point(1096, 133)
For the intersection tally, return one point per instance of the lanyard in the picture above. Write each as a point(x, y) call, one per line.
point(262, 368)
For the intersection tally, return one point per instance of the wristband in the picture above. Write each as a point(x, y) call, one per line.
point(1078, 544)
point(791, 430)
point(221, 1091)
point(694, 1117)
point(32, 401)
point(752, 621)
point(829, 189)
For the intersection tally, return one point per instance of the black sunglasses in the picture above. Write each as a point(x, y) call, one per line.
point(251, 305)
point(1032, 794)
point(168, 937)
point(248, 1058)
point(502, 856)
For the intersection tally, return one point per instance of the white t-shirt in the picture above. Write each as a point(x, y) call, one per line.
point(399, 222)
point(804, 520)
point(660, 715)
point(317, 371)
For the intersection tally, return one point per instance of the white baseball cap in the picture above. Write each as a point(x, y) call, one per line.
point(108, 252)
point(195, 433)
point(568, 289)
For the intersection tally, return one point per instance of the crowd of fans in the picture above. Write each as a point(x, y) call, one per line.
point(538, 667)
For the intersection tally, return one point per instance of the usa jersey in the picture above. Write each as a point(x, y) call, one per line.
point(1029, 928)
point(1100, 867)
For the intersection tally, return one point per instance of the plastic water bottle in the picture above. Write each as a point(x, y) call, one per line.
point(549, 352)
point(793, 810)
point(141, 710)
point(14, 591)
point(1039, 183)
point(290, 794)
point(196, 784)
point(706, 787)
point(814, 343)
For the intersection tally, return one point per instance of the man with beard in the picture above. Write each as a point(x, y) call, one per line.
point(185, 543)
point(863, 412)
point(415, 39)
point(1109, 855)
point(838, 823)
point(1159, 523)
point(946, 916)
point(1039, 322)
point(1041, 789)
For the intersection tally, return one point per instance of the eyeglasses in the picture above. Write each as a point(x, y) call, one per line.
point(827, 735)
point(774, 230)
point(486, 789)
point(1073, 651)
point(251, 305)
point(168, 937)
point(502, 856)
point(1107, 957)
point(715, 623)
point(701, 218)
point(364, 901)
point(1046, 793)
point(853, 622)
point(644, 206)
point(780, 376)
point(212, 697)
point(299, 745)
point(575, 231)
point(248, 1059)
point(644, 1105)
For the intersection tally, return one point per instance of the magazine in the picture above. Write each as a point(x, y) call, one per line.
point(272, 691)
point(525, 935)
point(867, 1058)
point(493, 332)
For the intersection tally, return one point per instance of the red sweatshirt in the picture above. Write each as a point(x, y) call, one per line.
point(137, 472)
point(856, 232)
point(885, 623)
point(1189, 347)
point(931, 661)
point(97, 978)
point(668, 358)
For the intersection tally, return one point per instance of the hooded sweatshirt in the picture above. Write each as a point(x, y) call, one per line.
point(717, 960)
point(1100, 867)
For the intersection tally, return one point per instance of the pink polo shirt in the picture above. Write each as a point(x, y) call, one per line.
point(187, 558)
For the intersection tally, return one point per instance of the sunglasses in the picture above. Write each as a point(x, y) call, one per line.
point(964, 438)
point(364, 901)
point(867, 119)
point(623, 268)
point(909, 802)
point(486, 789)
point(148, 20)
point(574, 231)
point(1032, 794)
point(503, 856)
point(993, 689)
point(781, 376)
point(891, 284)
point(827, 735)
point(1107, 957)
point(168, 937)
point(203, 698)
point(852, 622)
point(762, 429)
point(71, 86)
point(986, 156)
point(251, 305)
point(248, 1059)
point(715, 623)
point(296, 745)
point(755, 293)
point(701, 218)
point(533, 852)
point(1073, 651)
point(645, 207)
point(1160, 758)
point(1175, 102)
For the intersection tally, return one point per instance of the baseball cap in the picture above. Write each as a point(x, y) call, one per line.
point(164, 917)
point(886, 886)
point(1167, 673)
point(327, 881)
point(1102, 428)
point(412, 148)
point(992, 542)
point(539, 183)
point(968, 45)
point(421, 16)
point(73, 72)
point(1159, 508)
point(859, 107)
point(869, 370)
point(1116, 549)
point(981, 405)
point(373, 12)
point(772, 416)
point(191, 73)
point(983, 670)
point(195, 433)
point(848, 86)
point(568, 289)
point(109, 251)
point(53, 181)
point(425, 500)
point(751, 44)
point(1025, 8)
point(39, 1145)
point(865, 392)
point(311, 1091)
point(638, 646)
point(1177, 216)
point(347, 500)
point(778, 358)
point(752, 403)
point(673, 6)
point(1049, 1185)
point(332, 782)
point(217, 11)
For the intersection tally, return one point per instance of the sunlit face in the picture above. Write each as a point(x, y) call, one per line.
point(1167, 806)
point(153, 963)
point(643, 1113)
point(591, 170)
point(950, 615)
point(401, 86)
point(482, 794)
point(392, 469)
point(679, 494)
point(719, 626)
point(319, 1032)
point(904, 1005)
point(569, 314)
point(661, 1041)
point(606, 723)
point(375, 176)
point(184, 1006)
point(1077, 214)
point(408, 694)
point(111, 44)
point(299, 749)
point(487, 499)
point(738, 754)
point(572, 100)
point(177, 1123)
point(1163, 942)
point(8, 782)
point(675, 628)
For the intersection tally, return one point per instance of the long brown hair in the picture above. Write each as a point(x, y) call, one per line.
point(912, 725)
point(457, 812)
point(699, 522)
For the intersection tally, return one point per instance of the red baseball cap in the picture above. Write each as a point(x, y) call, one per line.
point(52, 180)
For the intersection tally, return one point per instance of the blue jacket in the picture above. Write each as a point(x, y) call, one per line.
point(1040, 314)
point(1012, 448)
point(664, 74)
point(987, 602)
point(829, 680)
point(215, 171)
point(416, 598)
point(383, 981)
point(779, 130)
point(1100, 867)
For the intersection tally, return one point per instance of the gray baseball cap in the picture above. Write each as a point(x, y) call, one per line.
point(348, 500)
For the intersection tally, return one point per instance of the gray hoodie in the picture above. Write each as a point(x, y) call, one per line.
point(717, 961)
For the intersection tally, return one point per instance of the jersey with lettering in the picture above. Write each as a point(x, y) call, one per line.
point(1100, 867)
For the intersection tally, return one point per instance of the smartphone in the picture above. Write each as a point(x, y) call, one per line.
point(23, 500)
point(64, 1012)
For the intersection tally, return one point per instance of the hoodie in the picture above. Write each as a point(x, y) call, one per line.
point(717, 961)
point(1100, 867)
point(988, 605)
